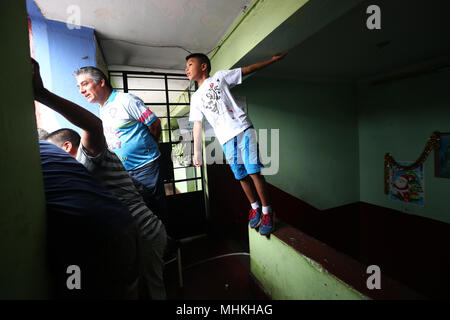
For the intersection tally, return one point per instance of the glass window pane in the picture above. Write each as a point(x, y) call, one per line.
point(146, 82)
point(174, 123)
point(181, 156)
point(199, 184)
point(177, 84)
point(179, 111)
point(177, 77)
point(116, 81)
point(179, 174)
point(164, 123)
point(194, 185)
point(184, 173)
point(182, 187)
point(160, 111)
point(178, 97)
point(164, 137)
point(150, 96)
point(182, 137)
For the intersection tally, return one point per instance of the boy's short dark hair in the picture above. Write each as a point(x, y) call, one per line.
point(202, 58)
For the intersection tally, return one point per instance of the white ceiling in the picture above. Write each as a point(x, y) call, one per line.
point(151, 33)
point(414, 37)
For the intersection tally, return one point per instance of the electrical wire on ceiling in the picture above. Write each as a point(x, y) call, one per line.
point(245, 10)
point(148, 45)
point(158, 46)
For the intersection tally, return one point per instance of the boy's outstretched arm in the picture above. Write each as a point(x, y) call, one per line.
point(197, 132)
point(259, 65)
point(92, 137)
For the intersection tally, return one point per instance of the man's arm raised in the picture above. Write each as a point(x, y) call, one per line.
point(92, 137)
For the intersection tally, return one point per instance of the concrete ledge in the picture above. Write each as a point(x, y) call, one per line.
point(294, 266)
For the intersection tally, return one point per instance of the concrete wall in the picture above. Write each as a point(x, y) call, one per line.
point(23, 267)
point(60, 51)
point(289, 275)
point(22, 220)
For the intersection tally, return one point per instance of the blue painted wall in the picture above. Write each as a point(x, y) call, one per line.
point(60, 51)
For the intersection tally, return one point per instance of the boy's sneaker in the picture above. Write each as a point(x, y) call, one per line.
point(266, 224)
point(254, 218)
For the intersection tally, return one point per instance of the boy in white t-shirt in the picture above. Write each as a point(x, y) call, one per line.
point(233, 129)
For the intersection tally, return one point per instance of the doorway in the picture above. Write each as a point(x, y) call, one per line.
point(168, 96)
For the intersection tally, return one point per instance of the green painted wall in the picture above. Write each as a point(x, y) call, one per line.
point(288, 275)
point(399, 117)
point(261, 18)
point(318, 135)
point(333, 137)
point(22, 221)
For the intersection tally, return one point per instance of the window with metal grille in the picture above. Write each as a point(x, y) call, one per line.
point(168, 96)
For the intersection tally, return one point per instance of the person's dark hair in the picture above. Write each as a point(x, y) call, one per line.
point(95, 74)
point(202, 58)
point(60, 136)
point(42, 133)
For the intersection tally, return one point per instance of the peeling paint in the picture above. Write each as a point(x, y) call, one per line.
point(197, 4)
point(105, 14)
point(212, 20)
point(174, 9)
point(314, 264)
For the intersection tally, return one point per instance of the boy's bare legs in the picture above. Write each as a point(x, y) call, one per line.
point(261, 189)
point(255, 212)
point(248, 188)
point(260, 186)
point(266, 225)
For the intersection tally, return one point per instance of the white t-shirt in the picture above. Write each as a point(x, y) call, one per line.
point(214, 101)
point(125, 124)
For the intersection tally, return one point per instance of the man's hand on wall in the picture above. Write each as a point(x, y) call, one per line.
point(38, 85)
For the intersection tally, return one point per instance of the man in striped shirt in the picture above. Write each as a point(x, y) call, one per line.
point(91, 150)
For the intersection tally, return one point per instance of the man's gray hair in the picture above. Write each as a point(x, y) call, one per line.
point(93, 73)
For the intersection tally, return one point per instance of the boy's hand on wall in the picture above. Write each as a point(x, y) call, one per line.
point(279, 56)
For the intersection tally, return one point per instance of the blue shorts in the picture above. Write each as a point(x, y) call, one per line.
point(242, 154)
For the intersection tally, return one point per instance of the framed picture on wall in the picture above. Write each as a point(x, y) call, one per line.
point(442, 157)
